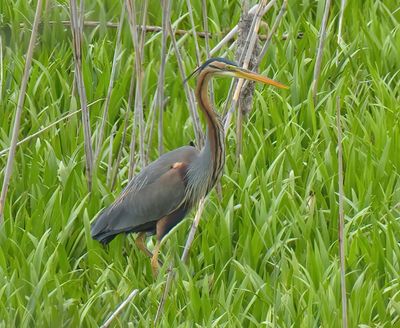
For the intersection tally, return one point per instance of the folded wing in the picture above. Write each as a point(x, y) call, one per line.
point(156, 192)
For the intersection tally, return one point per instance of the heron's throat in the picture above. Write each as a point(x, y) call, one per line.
point(215, 142)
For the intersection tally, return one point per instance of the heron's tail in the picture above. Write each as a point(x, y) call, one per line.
point(100, 228)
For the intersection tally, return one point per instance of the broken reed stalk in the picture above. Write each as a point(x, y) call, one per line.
point(139, 120)
point(110, 85)
point(161, 77)
point(322, 36)
point(244, 61)
point(248, 24)
point(341, 237)
point(261, 10)
point(232, 32)
point(76, 30)
point(119, 309)
point(184, 258)
point(18, 113)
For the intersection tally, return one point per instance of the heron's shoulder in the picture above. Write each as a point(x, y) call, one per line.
point(163, 164)
point(181, 154)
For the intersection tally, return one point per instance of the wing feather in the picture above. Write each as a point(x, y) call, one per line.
point(157, 191)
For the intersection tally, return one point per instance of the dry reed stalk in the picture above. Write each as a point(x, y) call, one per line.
point(117, 52)
point(341, 237)
point(119, 308)
point(188, 92)
point(193, 29)
point(244, 61)
point(155, 29)
point(247, 25)
point(139, 120)
point(132, 144)
point(76, 30)
point(1, 68)
point(184, 258)
point(341, 218)
point(144, 8)
point(207, 42)
point(150, 124)
point(18, 113)
point(232, 32)
point(161, 78)
point(110, 155)
point(120, 150)
point(261, 10)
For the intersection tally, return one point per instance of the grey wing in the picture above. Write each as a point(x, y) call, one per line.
point(156, 192)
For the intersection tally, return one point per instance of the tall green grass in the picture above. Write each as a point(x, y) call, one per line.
point(266, 252)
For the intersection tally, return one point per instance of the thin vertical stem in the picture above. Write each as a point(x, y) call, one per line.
point(271, 33)
point(322, 36)
point(110, 85)
point(144, 8)
point(244, 61)
point(341, 218)
point(196, 44)
point(76, 28)
point(130, 4)
point(342, 237)
point(110, 155)
point(119, 308)
point(342, 6)
point(150, 123)
point(120, 150)
point(161, 78)
point(132, 144)
point(188, 92)
point(207, 42)
point(20, 105)
point(184, 258)
point(1, 68)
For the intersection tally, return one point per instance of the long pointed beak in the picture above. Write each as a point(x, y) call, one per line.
point(249, 75)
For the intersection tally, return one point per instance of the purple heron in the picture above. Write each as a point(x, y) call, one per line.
point(160, 196)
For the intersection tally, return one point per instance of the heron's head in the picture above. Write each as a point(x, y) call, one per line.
point(224, 67)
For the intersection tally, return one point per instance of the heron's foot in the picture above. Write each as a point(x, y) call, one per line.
point(155, 267)
point(155, 262)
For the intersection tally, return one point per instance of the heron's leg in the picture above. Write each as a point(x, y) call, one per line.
point(139, 241)
point(155, 263)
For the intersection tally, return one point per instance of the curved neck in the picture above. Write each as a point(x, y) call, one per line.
point(215, 142)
